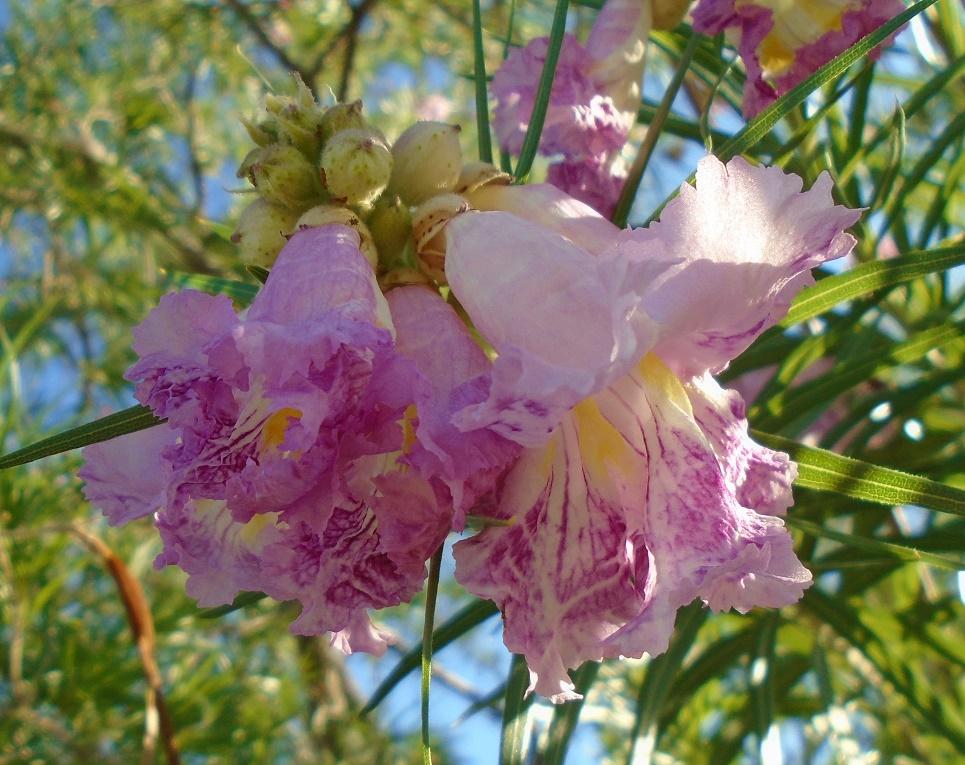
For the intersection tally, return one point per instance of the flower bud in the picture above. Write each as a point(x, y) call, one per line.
point(428, 222)
point(428, 161)
point(261, 231)
point(402, 277)
point(342, 117)
point(282, 176)
point(324, 215)
point(391, 227)
point(475, 175)
point(297, 119)
point(262, 132)
point(356, 165)
point(668, 13)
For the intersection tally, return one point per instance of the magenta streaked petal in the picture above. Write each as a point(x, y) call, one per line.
point(597, 181)
point(759, 477)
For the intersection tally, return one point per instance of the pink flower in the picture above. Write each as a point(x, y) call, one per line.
point(292, 460)
point(783, 43)
point(593, 103)
point(638, 488)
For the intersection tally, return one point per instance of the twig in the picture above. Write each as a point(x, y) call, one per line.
point(254, 25)
point(351, 28)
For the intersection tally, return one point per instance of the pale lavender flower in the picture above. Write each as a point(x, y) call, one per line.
point(638, 488)
point(782, 43)
point(290, 462)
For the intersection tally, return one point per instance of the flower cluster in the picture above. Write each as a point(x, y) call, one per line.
point(434, 344)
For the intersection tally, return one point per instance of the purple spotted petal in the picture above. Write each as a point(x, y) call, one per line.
point(580, 119)
point(744, 240)
point(759, 477)
point(623, 516)
point(596, 181)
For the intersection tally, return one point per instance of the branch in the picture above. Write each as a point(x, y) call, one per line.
point(254, 25)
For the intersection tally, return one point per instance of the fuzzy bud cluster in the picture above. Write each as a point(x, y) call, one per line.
point(315, 166)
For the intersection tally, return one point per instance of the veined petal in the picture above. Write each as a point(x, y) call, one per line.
point(745, 240)
point(566, 573)
point(320, 269)
point(126, 476)
point(597, 181)
point(759, 477)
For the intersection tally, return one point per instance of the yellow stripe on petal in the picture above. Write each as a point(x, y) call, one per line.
point(408, 428)
point(602, 448)
point(658, 374)
point(276, 426)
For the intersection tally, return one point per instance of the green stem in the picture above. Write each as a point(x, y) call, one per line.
point(482, 98)
point(629, 192)
point(432, 589)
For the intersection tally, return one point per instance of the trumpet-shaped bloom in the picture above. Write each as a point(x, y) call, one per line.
point(593, 102)
point(289, 462)
point(782, 43)
point(638, 488)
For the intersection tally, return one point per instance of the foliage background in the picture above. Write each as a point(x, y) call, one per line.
point(118, 143)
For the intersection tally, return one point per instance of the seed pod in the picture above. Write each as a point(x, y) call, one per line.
point(324, 215)
point(428, 222)
point(475, 175)
point(342, 117)
point(261, 231)
point(282, 176)
point(391, 227)
point(356, 165)
point(428, 161)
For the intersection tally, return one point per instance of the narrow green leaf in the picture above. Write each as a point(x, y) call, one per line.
point(761, 678)
point(769, 117)
point(789, 404)
point(639, 167)
point(458, 625)
point(657, 682)
point(481, 82)
point(886, 182)
point(261, 274)
point(432, 590)
point(243, 292)
point(535, 128)
point(902, 551)
point(114, 425)
point(514, 744)
point(869, 277)
point(240, 601)
point(826, 471)
point(758, 128)
point(565, 717)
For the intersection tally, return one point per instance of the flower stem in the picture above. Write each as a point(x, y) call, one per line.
point(432, 589)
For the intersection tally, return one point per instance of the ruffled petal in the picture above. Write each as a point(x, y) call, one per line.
point(759, 477)
point(597, 181)
point(745, 240)
point(566, 573)
point(456, 375)
point(184, 323)
point(560, 336)
point(126, 476)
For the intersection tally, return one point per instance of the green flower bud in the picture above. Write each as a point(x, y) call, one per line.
point(391, 227)
point(668, 13)
point(475, 175)
point(356, 165)
point(282, 176)
point(342, 117)
point(261, 232)
point(297, 119)
point(428, 161)
point(324, 215)
point(262, 133)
